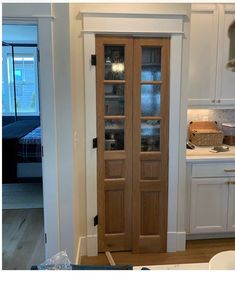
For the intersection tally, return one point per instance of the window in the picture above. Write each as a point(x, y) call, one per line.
point(26, 81)
point(20, 95)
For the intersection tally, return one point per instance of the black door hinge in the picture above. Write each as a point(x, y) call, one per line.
point(95, 143)
point(45, 238)
point(42, 154)
point(96, 220)
point(93, 59)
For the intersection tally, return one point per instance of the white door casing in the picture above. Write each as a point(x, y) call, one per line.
point(44, 20)
point(136, 24)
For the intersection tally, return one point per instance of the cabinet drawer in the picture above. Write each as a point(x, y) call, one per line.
point(213, 170)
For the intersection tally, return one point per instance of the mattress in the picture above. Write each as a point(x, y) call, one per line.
point(29, 147)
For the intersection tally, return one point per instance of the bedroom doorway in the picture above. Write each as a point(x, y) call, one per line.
point(22, 188)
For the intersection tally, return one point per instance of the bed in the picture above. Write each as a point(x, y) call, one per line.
point(21, 151)
point(29, 158)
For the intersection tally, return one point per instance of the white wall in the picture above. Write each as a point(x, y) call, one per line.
point(63, 105)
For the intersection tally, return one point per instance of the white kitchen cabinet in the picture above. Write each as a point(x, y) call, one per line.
point(210, 84)
point(211, 199)
point(231, 207)
point(209, 202)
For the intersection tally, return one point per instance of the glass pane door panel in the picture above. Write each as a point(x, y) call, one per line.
point(114, 62)
point(151, 64)
point(114, 99)
point(114, 134)
point(150, 100)
point(150, 135)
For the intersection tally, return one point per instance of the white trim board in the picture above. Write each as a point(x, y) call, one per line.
point(81, 249)
point(210, 236)
point(134, 14)
point(136, 25)
point(141, 33)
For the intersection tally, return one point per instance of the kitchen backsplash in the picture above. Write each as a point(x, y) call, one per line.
point(219, 115)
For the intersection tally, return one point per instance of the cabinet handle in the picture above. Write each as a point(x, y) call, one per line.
point(218, 101)
point(213, 101)
point(229, 170)
point(232, 182)
point(227, 182)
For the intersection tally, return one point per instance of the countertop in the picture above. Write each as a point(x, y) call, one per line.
point(204, 154)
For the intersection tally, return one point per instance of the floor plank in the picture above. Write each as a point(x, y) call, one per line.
point(22, 238)
point(22, 195)
point(198, 251)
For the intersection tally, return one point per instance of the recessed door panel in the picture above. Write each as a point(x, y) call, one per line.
point(150, 170)
point(114, 211)
point(150, 210)
point(114, 169)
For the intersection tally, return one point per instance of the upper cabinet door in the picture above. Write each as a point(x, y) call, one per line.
point(210, 83)
point(226, 78)
point(202, 56)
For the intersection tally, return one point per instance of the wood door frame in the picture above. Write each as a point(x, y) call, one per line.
point(175, 239)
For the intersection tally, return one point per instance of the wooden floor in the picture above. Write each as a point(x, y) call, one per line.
point(198, 251)
point(22, 238)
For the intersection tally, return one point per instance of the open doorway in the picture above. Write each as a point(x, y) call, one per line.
point(22, 190)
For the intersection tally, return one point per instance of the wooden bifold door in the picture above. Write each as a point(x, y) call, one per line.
point(132, 155)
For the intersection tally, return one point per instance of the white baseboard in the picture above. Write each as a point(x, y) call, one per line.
point(181, 241)
point(205, 236)
point(81, 250)
point(92, 245)
point(87, 245)
point(176, 241)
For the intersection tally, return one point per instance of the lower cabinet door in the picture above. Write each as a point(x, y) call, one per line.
point(209, 205)
point(231, 207)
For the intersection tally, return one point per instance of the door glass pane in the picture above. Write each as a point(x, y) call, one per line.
point(150, 100)
point(150, 135)
point(114, 99)
point(151, 64)
point(114, 134)
point(114, 62)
